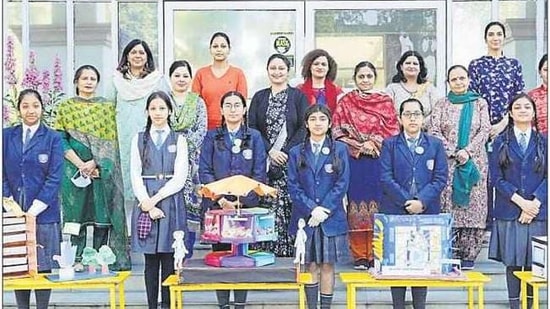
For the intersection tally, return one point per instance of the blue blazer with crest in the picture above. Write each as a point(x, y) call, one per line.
point(428, 166)
point(519, 176)
point(34, 173)
point(320, 185)
point(217, 161)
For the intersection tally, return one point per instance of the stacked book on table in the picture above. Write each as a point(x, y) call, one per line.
point(19, 246)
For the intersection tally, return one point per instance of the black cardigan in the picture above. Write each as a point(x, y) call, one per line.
point(296, 107)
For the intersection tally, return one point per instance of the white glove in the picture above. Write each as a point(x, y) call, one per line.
point(37, 208)
point(312, 222)
point(320, 214)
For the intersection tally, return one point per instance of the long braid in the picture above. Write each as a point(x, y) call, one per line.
point(302, 158)
point(336, 162)
point(540, 155)
point(504, 159)
point(144, 154)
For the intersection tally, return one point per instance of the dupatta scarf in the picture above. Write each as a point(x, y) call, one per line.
point(360, 117)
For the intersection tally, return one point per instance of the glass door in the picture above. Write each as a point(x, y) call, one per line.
point(378, 31)
point(256, 30)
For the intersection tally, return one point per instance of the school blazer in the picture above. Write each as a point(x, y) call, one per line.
point(217, 161)
point(296, 108)
point(399, 166)
point(320, 185)
point(518, 177)
point(34, 173)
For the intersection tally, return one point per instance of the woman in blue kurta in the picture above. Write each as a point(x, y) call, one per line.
point(318, 179)
point(414, 174)
point(232, 149)
point(519, 172)
point(496, 78)
point(159, 166)
point(32, 173)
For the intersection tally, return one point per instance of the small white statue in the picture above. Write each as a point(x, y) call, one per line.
point(300, 243)
point(179, 249)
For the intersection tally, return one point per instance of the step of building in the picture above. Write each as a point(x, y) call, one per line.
point(443, 298)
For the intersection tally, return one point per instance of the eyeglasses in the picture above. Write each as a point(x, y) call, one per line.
point(229, 106)
point(410, 115)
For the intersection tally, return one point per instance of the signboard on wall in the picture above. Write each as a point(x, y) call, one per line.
point(283, 43)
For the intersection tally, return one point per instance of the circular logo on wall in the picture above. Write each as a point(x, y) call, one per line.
point(282, 44)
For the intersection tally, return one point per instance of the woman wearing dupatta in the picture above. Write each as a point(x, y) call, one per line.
point(465, 196)
point(89, 136)
point(362, 119)
point(190, 120)
point(134, 80)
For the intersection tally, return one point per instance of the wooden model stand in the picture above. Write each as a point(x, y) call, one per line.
point(19, 246)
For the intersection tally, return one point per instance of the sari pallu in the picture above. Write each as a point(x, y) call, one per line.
point(88, 127)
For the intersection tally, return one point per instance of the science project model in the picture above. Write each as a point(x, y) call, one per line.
point(417, 246)
point(239, 227)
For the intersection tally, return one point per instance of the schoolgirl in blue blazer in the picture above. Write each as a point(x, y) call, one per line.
point(232, 149)
point(414, 173)
point(318, 179)
point(32, 172)
point(519, 171)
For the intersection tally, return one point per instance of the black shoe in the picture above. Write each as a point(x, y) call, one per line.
point(361, 264)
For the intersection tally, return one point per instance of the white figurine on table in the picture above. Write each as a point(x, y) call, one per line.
point(300, 243)
point(179, 249)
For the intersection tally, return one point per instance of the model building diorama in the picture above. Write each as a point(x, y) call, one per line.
point(239, 227)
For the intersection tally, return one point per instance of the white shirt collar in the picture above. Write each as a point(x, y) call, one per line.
point(153, 131)
point(417, 137)
point(33, 129)
point(517, 133)
point(322, 142)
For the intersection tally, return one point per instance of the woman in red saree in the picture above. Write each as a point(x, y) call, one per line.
point(362, 119)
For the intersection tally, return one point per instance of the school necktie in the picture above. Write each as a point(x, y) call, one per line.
point(158, 140)
point(316, 150)
point(412, 144)
point(27, 139)
point(523, 142)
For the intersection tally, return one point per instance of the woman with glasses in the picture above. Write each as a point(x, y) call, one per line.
point(232, 149)
point(363, 118)
point(461, 121)
point(411, 81)
point(414, 173)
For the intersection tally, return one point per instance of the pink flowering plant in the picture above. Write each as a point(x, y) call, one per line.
point(48, 84)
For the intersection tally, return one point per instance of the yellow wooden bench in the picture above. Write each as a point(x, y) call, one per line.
point(41, 282)
point(526, 277)
point(354, 280)
point(177, 289)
